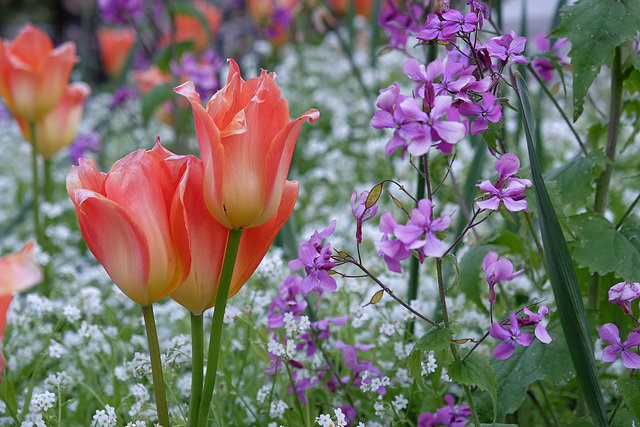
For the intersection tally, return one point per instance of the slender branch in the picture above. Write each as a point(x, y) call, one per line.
point(627, 212)
point(539, 407)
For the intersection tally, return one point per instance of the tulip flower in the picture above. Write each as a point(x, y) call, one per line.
point(128, 224)
point(190, 28)
point(115, 48)
point(59, 127)
point(208, 239)
point(246, 142)
point(18, 272)
point(34, 75)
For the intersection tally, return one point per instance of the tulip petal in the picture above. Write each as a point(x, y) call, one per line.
point(116, 241)
point(19, 272)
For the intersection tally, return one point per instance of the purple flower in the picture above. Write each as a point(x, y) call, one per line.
point(86, 141)
point(448, 415)
point(393, 251)
point(496, 271)
point(455, 22)
point(623, 293)
point(361, 212)
point(399, 24)
point(480, 9)
point(120, 11)
point(506, 47)
point(510, 337)
point(422, 75)
point(609, 332)
point(536, 319)
point(543, 66)
point(121, 95)
point(419, 233)
point(302, 385)
point(203, 73)
point(391, 115)
point(316, 260)
point(433, 29)
point(485, 113)
point(510, 194)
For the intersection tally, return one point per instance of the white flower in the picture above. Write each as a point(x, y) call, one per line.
point(387, 329)
point(230, 314)
point(44, 401)
point(72, 313)
point(56, 350)
point(400, 403)
point(263, 392)
point(106, 417)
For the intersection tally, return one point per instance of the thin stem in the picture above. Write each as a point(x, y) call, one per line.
point(34, 182)
point(443, 301)
point(627, 212)
point(156, 366)
point(564, 116)
point(197, 364)
point(295, 392)
point(539, 407)
point(216, 327)
point(604, 180)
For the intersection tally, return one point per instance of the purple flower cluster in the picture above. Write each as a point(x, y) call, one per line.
point(445, 26)
point(315, 258)
point(508, 190)
point(448, 415)
point(86, 141)
point(609, 332)
point(400, 23)
point(543, 65)
point(203, 72)
point(418, 234)
point(121, 11)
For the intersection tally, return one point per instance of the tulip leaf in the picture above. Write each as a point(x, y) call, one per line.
point(476, 371)
point(630, 390)
point(151, 101)
point(562, 275)
point(530, 364)
point(595, 28)
point(602, 249)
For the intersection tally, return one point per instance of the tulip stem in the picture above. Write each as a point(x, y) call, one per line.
point(34, 182)
point(216, 327)
point(197, 363)
point(156, 366)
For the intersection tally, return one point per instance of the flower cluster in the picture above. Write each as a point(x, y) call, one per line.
point(622, 294)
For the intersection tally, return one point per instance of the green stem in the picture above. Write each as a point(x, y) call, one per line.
point(216, 327)
point(295, 393)
point(34, 182)
point(156, 366)
point(604, 180)
point(48, 181)
point(454, 351)
point(197, 364)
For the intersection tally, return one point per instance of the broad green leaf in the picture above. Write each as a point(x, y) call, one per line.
point(602, 249)
point(434, 340)
point(624, 418)
point(575, 178)
point(630, 390)
point(595, 28)
point(476, 371)
point(531, 364)
point(151, 101)
point(451, 259)
point(562, 276)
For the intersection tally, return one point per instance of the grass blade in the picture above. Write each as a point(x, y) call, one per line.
point(562, 275)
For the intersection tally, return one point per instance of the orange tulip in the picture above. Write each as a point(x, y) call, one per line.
point(246, 142)
point(115, 48)
point(146, 81)
point(33, 75)
point(18, 272)
point(190, 28)
point(208, 240)
point(59, 127)
point(127, 222)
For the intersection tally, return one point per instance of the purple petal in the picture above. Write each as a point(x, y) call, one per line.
point(499, 332)
point(504, 350)
point(610, 353)
point(490, 258)
point(450, 131)
point(514, 205)
point(630, 360)
point(632, 341)
point(524, 339)
point(433, 247)
point(507, 165)
point(491, 204)
point(609, 332)
point(542, 334)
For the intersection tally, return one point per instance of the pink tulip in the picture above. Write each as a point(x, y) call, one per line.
point(246, 142)
point(127, 221)
point(58, 128)
point(34, 75)
point(115, 48)
point(208, 239)
point(18, 272)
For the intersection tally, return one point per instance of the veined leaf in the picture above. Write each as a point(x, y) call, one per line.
point(595, 28)
point(562, 276)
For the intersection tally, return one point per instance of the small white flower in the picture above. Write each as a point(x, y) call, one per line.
point(387, 329)
point(400, 403)
point(72, 313)
point(56, 350)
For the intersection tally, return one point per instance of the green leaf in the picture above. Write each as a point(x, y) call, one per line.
point(562, 276)
point(8, 396)
point(630, 390)
point(450, 258)
point(434, 340)
point(476, 371)
point(531, 364)
point(602, 249)
point(151, 101)
point(595, 28)
point(493, 134)
point(576, 177)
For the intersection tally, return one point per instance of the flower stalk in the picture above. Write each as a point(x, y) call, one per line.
point(216, 327)
point(197, 364)
point(34, 182)
point(156, 365)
